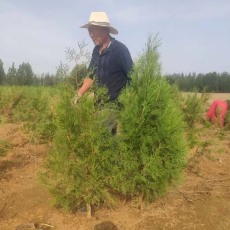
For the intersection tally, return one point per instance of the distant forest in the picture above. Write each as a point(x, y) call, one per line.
point(210, 82)
point(23, 75)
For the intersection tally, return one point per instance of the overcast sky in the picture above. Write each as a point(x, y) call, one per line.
point(195, 34)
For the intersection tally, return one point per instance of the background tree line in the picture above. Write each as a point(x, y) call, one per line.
point(24, 75)
point(209, 82)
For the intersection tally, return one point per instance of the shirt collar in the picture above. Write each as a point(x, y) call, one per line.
point(109, 47)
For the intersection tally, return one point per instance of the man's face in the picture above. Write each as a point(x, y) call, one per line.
point(98, 34)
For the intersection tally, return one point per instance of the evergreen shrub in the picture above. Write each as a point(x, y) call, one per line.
point(194, 107)
point(152, 146)
point(82, 158)
point(34, 106)
point(88, 165)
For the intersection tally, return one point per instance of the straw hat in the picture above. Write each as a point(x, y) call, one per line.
point(100, 19)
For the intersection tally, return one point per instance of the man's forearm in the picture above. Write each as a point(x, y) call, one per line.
point(87, 83)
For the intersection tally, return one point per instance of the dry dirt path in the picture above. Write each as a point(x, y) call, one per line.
point(202, 201)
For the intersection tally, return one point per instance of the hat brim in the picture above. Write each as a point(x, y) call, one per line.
point(112, 30)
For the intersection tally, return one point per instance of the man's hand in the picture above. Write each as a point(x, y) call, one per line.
point(87, 83)
point(77, 97)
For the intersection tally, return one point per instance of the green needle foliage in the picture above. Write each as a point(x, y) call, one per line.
point(152, 140)
point(88, 165)
point(81, 160)
point(32, 105)
point(193, 107)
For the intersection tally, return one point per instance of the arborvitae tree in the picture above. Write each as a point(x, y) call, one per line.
point(25, 74)
point(2, 72)
point(79, 165)
point(152, 140)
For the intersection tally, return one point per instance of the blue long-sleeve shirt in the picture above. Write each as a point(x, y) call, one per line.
point(111, 68)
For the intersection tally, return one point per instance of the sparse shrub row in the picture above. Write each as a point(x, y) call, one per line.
point(89, 166)
point(35, 106)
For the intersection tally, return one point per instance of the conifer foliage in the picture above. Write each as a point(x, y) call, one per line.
point(88, 165)
point(79, 164)
point(153, 145)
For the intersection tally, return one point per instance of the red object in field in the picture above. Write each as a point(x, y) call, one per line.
point(217, 111)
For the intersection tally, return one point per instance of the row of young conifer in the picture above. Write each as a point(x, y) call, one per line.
point(88, 166)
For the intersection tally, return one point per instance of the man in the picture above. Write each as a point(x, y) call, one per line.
point(111, 61)
point(217, 111)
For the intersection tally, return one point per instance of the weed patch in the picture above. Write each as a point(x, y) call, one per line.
point(5, 146)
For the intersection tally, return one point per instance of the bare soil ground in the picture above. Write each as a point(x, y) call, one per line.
point(201, 201)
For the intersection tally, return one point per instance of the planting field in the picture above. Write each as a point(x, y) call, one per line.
point(200, 201)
